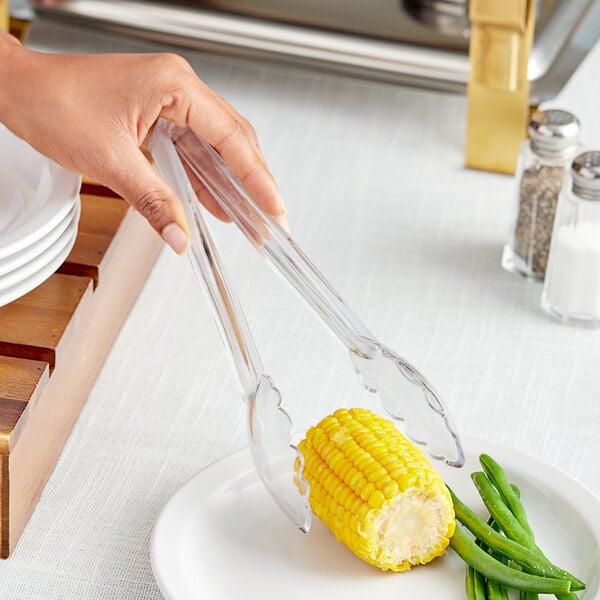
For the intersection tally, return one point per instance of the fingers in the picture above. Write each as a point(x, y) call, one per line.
point(208, 201)
point(143, 188)
point(239, 151)
point(204, 196)
point(217, 122)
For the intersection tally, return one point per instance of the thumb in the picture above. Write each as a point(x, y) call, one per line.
point(139, 183)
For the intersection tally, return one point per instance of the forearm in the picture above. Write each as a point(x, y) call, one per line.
point(12, 56)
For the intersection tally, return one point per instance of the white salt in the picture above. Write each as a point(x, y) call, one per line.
point(573, 278)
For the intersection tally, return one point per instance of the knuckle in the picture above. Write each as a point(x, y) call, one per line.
point(178, 80)
point(248, 129)
point(236, 126)
point(239, 124)
point(152, 205)
point(173, 64)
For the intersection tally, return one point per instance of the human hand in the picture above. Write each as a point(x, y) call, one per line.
point(92, 113)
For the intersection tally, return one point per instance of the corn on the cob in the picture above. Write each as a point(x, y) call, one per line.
point(376, 490)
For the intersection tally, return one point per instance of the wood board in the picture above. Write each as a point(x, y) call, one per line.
point(54, 341)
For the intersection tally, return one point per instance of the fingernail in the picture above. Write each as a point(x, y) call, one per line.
point(175, 237)
point(283, 222)
point(282, 209)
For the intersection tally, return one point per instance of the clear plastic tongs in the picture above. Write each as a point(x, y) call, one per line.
point(404, 393)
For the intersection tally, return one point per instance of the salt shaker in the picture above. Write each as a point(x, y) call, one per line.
point(572, 286)
point(543, 165)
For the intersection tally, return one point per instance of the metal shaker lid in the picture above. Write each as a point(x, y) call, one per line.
point(585, 170)
point(553, 132)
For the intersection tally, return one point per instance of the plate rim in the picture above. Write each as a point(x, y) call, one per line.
point(60, 200)
point(39, 262)
point(25, 286)
point(16, 260)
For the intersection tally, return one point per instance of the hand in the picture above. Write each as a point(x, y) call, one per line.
point(92, 113)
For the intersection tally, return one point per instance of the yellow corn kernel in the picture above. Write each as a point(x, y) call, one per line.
point(376, 490)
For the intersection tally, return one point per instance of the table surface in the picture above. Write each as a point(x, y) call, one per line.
point(377, 195)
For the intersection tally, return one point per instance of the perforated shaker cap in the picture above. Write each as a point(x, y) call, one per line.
point(585, 170)
point(554, 132)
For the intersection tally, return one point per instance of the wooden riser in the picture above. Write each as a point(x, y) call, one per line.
point(53, 343)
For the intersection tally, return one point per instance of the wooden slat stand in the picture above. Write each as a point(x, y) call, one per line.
point(53, 343)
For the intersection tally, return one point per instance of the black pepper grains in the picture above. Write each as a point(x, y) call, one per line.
point(539, 191)
point(543, 167)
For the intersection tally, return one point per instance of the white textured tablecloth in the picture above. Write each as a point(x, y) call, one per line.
point(377, 195)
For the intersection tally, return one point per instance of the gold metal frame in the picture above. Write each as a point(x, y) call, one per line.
point(498, 89)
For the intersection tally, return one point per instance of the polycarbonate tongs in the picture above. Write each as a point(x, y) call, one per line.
point(278, 462)
point(404, 393)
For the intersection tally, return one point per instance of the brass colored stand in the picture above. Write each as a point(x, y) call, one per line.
point(4, 20)
point(498, 90)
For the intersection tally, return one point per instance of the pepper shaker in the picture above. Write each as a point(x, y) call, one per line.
point(572, 286)
point(544, 161)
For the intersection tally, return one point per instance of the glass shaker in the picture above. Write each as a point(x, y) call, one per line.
point(543, 165)
point(572, 286)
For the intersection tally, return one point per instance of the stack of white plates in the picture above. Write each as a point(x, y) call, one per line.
point(39, 214)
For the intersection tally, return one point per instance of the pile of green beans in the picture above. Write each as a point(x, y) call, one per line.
point(504, 554)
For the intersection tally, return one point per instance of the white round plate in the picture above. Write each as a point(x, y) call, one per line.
point(37, 194)
point(222, 537)
point(53, 258)
point(17, 260)
point(26, 270)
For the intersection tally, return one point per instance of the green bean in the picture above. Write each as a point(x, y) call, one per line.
point(479, 586)
point(501, 589)
point(530, 560)
point(482, 562)
point(469, 583)
point(508, 516)
point(494, 590)
point(491, 523)
point(483, 583)
point(498, 477)
point(501, 513)
point(570, 595)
